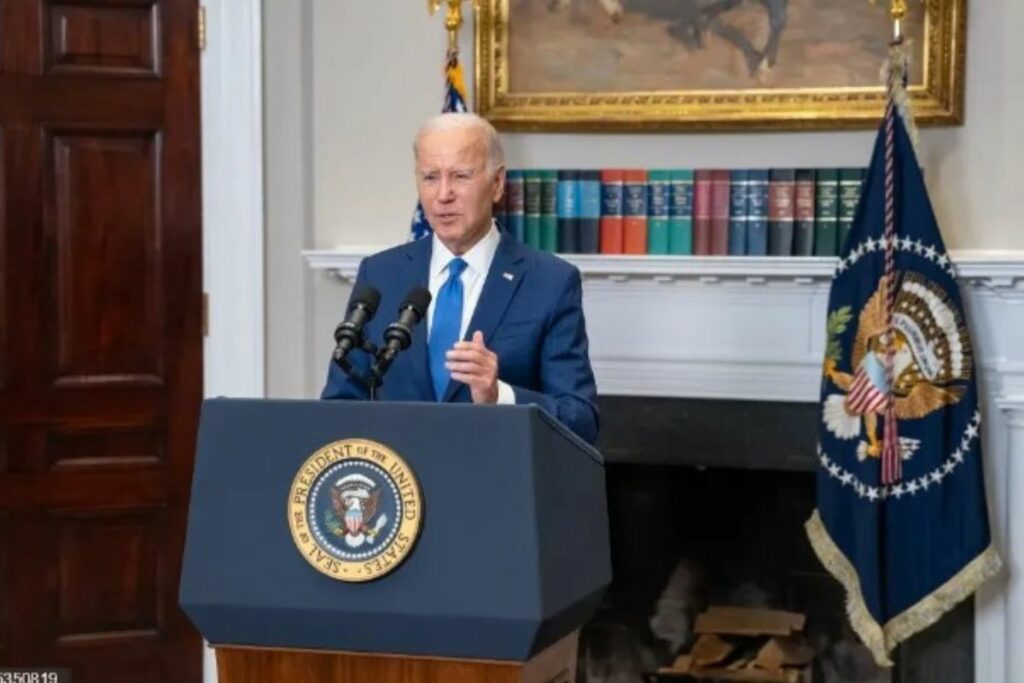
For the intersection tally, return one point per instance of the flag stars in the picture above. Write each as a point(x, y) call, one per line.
point(948, 466)
point(937, 476)
point(873, 494)
point(898, 491)
point(972, 431)
point(918, 247)
point(846, 478)
point(930, 253)
point(958, 455)
point(923, 482)
point(834, 470)
point(912, 487)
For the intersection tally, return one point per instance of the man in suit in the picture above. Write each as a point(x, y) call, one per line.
point(505, 324)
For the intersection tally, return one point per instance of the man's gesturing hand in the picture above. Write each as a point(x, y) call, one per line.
point(473, 364)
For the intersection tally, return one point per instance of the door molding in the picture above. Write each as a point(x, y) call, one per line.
point(233, 217)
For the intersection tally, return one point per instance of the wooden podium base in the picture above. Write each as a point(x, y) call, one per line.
point(556, 664)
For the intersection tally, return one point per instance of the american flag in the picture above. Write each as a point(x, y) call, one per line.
point(454, 101)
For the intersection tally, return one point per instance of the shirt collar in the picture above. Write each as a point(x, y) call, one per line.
point(478, 258)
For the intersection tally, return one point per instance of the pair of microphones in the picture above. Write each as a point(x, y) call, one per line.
point(348, 335)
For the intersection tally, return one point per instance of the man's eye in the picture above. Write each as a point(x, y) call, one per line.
point(429, 177)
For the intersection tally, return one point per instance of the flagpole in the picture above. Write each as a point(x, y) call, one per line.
point(452, 20)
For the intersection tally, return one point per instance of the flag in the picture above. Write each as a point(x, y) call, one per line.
point(454, 101)
point(901, 518)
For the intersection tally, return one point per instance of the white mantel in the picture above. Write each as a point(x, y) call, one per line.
point(754, 328)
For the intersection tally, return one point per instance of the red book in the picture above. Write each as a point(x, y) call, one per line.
point(719, 212)
point(611, 211)
point(702, 212)
point(634, 209)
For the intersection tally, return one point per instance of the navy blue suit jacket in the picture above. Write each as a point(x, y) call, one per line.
point(532, 320)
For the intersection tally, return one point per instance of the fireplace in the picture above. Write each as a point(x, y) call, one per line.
point(707, 501)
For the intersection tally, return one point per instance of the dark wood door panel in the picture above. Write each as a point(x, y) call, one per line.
point(101, 39)
point(108, 576)
point(102, 191)
point(5, 321)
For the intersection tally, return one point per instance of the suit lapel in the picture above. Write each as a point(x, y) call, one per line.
point(501, 284)
point(419, 270)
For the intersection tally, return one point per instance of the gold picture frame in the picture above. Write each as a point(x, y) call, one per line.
point(937, 92)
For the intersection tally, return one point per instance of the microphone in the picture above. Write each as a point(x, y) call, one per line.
point(398, 335)
point(349, 334)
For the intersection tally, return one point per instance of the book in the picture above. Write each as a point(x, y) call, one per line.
point(803, 213)
point(588, 227)
point(781, 200)
point(826, 212)
point(739, 188)
point(531, 199)
point(549, 210)
point(702, 212)
point(611, 211)
point(515, 209)
point(719, 212)
point(634, 224)
point(850, 182)
point(757, 212)
point(568, 211)
point(657, 212)
point(680, 212)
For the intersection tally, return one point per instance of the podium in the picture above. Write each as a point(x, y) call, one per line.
point(510, 556)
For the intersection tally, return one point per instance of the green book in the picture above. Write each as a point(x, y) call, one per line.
point(533, 203)
point(826, 212)
point(657, 211)
point(850, 182)
point(549, 211)
point(680, 211)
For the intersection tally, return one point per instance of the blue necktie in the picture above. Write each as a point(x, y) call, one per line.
point(444, 328)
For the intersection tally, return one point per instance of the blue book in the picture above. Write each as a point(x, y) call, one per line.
point(568, 210)
point(739, 189)
point(757, 212)
point(589, 225)
point(515, 209)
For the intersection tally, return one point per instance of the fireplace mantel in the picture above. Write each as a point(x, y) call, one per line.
point(754, 329)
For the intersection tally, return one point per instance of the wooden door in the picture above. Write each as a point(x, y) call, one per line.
point(100, 334)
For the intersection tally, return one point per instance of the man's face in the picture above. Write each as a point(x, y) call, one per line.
point(455, 187)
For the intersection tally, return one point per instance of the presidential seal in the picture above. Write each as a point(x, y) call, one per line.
point(355, 510)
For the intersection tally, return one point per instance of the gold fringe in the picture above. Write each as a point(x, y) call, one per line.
point(838, 566)
point(882, 640)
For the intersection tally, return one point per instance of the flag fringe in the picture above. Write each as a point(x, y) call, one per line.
point(881, 640)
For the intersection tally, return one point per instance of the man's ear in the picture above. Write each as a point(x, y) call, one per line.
point(499, 184)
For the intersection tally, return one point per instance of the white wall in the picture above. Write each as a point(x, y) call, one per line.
point(349, 82)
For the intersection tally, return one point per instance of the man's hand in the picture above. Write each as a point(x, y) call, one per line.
point(475, 365)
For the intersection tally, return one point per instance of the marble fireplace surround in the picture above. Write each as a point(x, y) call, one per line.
point(754, 329)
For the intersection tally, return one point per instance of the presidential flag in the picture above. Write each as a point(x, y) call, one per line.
point(901, 519)
point(454, 101)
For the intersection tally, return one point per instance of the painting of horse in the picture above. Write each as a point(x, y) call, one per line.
point(580, 46)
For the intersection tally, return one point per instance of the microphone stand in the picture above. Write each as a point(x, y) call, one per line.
point(370, 382)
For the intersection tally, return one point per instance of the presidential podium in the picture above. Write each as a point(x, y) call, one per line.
point(334, 541)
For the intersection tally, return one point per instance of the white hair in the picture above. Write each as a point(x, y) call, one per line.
point(459, 121)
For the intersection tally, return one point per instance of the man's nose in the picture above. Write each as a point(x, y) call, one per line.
point(446, 192)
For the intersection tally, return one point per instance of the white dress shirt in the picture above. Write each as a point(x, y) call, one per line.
point(478, 262)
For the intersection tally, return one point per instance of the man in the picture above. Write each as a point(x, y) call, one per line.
point(505, 324)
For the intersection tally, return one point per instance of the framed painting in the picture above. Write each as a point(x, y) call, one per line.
point(710, 64)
